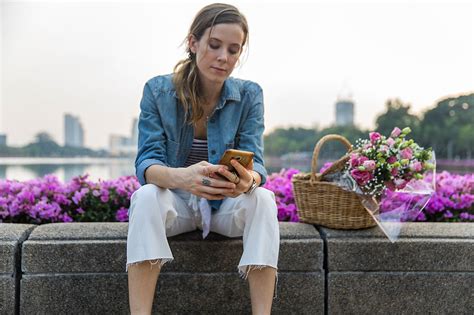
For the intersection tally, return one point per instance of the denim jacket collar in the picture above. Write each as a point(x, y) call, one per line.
point(230, 92)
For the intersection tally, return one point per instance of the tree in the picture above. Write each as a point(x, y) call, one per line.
point(447, 127)
point(397, 114)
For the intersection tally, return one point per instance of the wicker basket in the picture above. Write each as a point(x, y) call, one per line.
point(325, 203)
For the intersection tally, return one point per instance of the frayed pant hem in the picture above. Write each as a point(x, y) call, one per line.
point(246, 269)
point(159, 261)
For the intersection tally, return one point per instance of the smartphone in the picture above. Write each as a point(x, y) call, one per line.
point(243, 157)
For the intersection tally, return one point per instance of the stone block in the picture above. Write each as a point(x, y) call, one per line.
point(11, 237)
point(67, 248)
point(177, 293)
point(400, 293)
point(421, 247)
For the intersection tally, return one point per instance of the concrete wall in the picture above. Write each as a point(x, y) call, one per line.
point(79, 268)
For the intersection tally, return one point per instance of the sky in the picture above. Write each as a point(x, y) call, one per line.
point(92, 59)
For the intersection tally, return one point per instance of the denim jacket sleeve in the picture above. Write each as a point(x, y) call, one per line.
point(151, 135)
point(251, 133)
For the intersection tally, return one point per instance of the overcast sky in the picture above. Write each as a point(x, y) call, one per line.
point(92, 59)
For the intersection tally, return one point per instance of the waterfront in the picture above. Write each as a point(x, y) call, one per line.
point(65, 169)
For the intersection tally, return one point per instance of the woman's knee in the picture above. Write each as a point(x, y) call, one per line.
point(265, 200)
point(148, 198)
point(144, 194)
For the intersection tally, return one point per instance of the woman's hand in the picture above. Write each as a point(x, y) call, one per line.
point(243, 179)
point(200, 182)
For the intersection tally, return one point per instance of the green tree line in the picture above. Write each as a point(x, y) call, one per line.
point(45, 146)
point(448, 128)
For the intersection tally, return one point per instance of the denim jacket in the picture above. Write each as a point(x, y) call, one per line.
point(165, 138)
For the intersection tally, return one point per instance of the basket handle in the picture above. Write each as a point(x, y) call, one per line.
point(317, 148)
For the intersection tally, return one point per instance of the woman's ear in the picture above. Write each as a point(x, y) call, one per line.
point(192, 43)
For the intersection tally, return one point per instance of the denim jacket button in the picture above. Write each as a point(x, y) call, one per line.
point(213, 152)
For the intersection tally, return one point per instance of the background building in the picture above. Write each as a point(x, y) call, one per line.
point(135, 132)
point(345, 107)
point(3, 139)
point(73, 131)
point(344, 112)
point(125, 146)
point(120, 146)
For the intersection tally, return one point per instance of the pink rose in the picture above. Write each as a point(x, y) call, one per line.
point(369, 165)
point(416, 166)
point(406, 153)
point(390, 142)
point(394, 171)
point(395, 132)
point(361, 177)
point(391, 159)
point(354, 160)
point(357, 160)
point(374, 137)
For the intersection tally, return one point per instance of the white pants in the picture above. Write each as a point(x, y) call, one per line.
point(156, 213)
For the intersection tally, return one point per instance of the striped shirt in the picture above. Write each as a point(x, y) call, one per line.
point(198, 152)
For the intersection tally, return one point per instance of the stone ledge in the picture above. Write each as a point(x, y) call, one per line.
point(301, 249)
point(177, 293)
point(429, 269)
point(11, 237)
point(400, 293)
point(421, 247)
point(461, 230)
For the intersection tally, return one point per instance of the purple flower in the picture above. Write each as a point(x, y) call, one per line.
point(448, 214)
point(121, 215)
point(325, 166)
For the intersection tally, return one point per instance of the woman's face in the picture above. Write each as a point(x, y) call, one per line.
point(217, 52)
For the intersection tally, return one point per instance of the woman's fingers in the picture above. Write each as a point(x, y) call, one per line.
point(243, 172)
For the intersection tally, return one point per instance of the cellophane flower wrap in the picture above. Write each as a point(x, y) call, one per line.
point(380, 165)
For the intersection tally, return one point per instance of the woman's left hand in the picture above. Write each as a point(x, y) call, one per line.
point(242, 180)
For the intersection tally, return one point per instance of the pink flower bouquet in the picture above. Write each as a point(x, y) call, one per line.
point(387, 162)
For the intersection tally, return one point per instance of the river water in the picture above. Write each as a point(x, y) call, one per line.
point(66, 168)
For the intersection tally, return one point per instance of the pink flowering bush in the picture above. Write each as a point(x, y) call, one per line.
point(46, 200)
point(280, 184)
point(453, 200)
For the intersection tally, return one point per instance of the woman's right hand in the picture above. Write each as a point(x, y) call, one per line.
point(200, 181)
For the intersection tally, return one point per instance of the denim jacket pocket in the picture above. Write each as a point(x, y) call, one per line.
point(172, 149)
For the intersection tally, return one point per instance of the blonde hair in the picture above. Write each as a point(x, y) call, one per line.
point(185, 78)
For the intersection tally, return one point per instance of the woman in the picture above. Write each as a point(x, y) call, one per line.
point(187, 120)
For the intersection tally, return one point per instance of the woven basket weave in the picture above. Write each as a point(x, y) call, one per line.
point(325, 203)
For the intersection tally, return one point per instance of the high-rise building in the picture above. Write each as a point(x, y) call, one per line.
point(344, 112)
point(120, 145)
point(135, 132)
point(73, 131)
